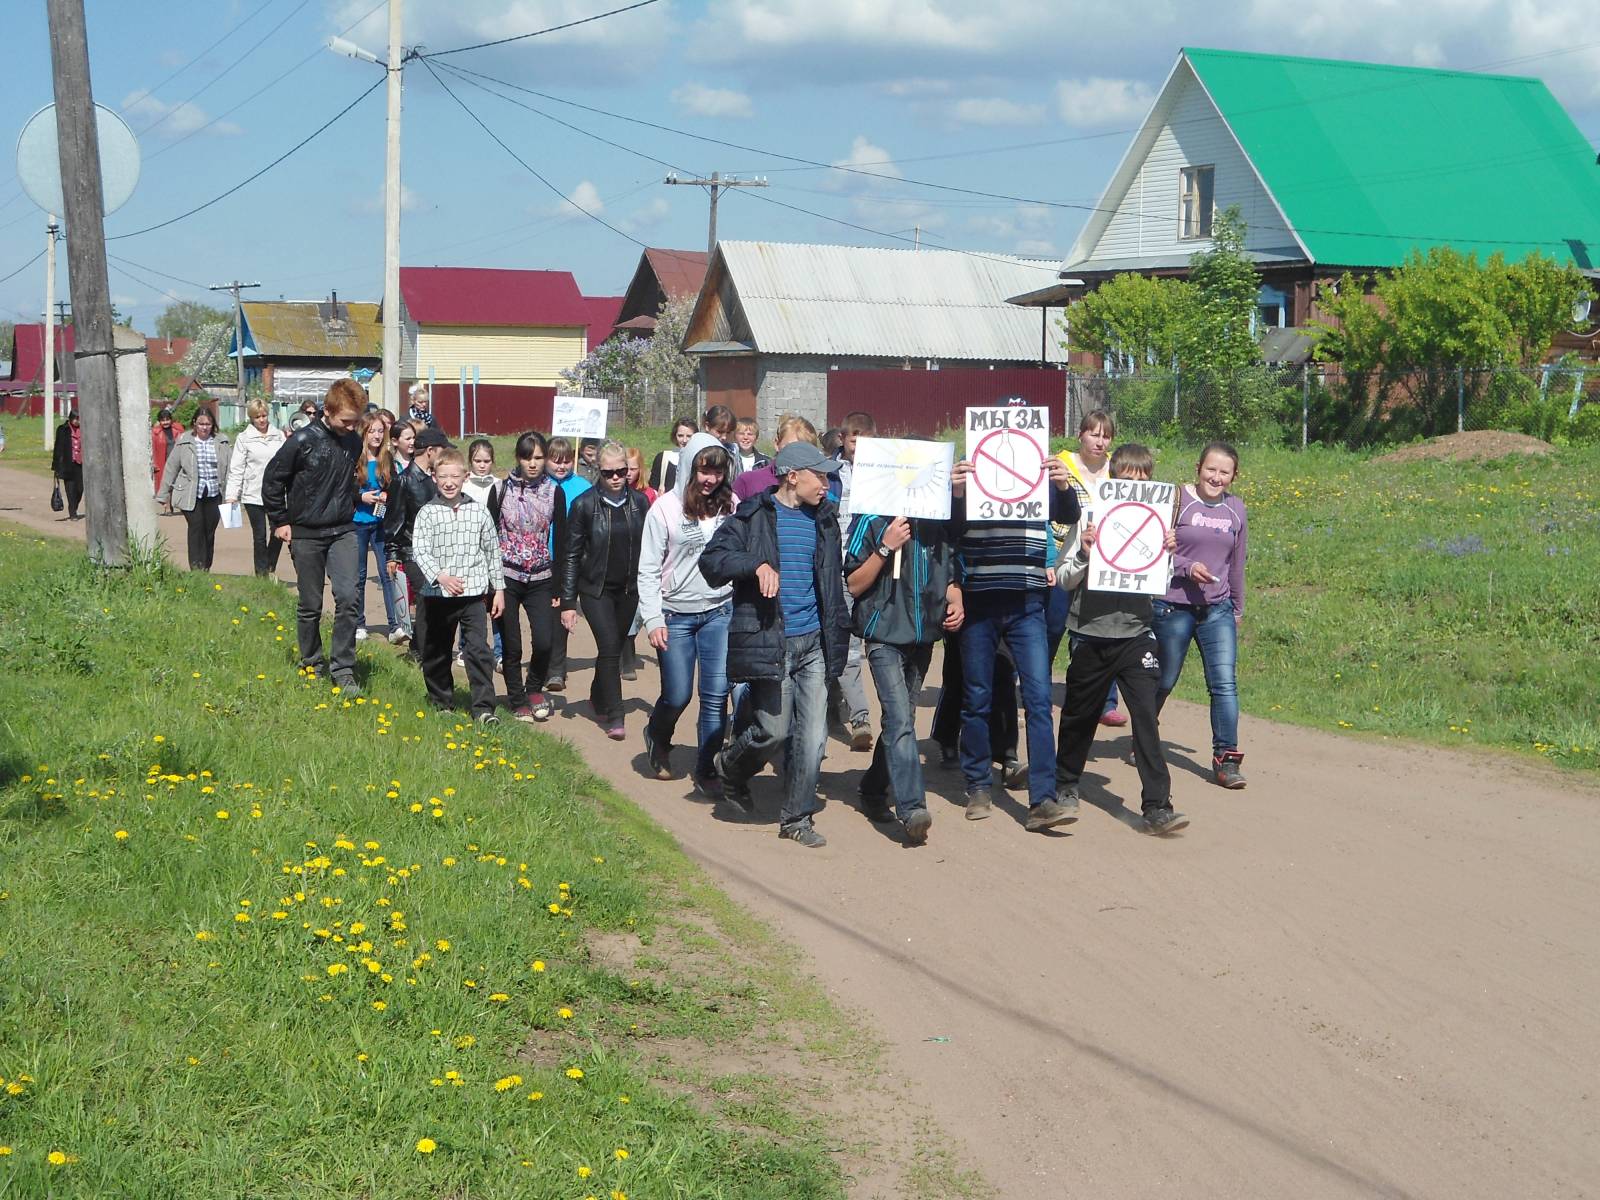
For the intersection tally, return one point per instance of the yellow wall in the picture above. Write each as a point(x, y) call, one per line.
point(530, 356)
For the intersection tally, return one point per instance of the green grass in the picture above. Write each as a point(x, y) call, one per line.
point(261, 939)
point(1450, 602)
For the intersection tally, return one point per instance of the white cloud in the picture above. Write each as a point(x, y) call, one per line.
point(646, 218)
point(171, 120)
point(995, 110)
point(171, 58)
point(585, 196)
point(1026, 229)
point(1097, 103)
point(701, 101)
point(916, 87)
point(373, 203)
point(865, 156)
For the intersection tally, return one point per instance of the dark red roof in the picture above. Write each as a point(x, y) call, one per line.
point(165, 352)
point(486, 296)
point(680, 272)
point(603, 312)
point(27, 356)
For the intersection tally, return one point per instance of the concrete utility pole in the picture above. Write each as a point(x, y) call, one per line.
point(51, 232)
point(391, 220)
point(238, 326)
point(716, 183)
point(78, 138)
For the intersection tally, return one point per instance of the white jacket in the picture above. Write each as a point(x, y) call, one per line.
point(252, 451)
point(669, 555)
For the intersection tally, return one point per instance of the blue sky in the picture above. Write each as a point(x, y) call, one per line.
point(1033, 100)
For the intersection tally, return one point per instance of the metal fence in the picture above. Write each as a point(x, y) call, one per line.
point(648, 404)
point(1324, 404)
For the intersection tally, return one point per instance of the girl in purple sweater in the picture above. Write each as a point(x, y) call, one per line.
point(1206, 601)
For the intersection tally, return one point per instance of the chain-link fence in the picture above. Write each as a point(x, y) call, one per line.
point(649, 404)
point(1322, 403)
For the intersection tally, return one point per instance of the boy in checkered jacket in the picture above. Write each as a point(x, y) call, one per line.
point(457, 549)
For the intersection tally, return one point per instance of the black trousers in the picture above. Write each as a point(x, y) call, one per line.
point(266, 547)
point(202, 520)
point(1134, 664)
point(557, 668)
point(444, 615)
point(419, 622)
point(72, 485)
point(1003, 724)
point(533, 599)
point(609, 615)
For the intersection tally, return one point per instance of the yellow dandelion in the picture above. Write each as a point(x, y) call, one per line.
point(121, 835)
point(222, 814)
point(564, 1013)
point(620, 1153)
point(585, 1171)
point(537, 964)
point(574, 1072)
point(426, 1145)
point(55, 1158)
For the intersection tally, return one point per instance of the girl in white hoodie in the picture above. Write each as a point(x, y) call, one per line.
point(253, 449)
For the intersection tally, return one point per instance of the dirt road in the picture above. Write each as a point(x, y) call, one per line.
point(1373, 973)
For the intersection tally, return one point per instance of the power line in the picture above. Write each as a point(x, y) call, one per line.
point(254, 13)
point(539, 32)
point(23, 267)
point(175, 278)
point(251, 179)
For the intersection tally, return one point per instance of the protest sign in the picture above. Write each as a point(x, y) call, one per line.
point(894, 478)
point(579, 416)
point(1130, 550)
point(1008, 449)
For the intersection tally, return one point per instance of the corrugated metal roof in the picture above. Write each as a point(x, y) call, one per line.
point(491, 296)
point(861, 301)
point(310, 329)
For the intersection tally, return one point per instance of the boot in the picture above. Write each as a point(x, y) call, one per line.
point(1225, 769)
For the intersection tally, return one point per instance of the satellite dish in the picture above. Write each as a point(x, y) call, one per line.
point(1580, 311)
point(39, 160)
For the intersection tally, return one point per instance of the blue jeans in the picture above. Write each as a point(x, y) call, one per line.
point(1018, 618)
point(897, 672)
point(369, 534)
point(793, 708)
point(1211, 626)
point(695, 637)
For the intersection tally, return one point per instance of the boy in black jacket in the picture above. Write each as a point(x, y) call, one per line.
point(413, 489)
point(905, 577)
point(309, 490)
point(789, 630)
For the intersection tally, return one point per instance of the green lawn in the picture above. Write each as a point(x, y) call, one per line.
point(265, 940)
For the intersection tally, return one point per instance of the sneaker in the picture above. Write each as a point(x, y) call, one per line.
point(949, 757)
point(487, 718)
point(735, 792)
point(709, 785)
point(1114, 717)
point(1163, 820)
point(803, 833)
point(876, 809)
point(361, 633)
point(1070, 799)
point(658, 757)
point(459, 660)
point(616, 732)
point(558, 684)
point(917, 825)
point(523, 713)
point(979, 804)
point(499, 664)
point(1047, 814)
point(630, 669)
point(399, 637)
point(861, 736)
point(541, 707)
point(1225, 770)
point(347, 685)
point(1014, 775)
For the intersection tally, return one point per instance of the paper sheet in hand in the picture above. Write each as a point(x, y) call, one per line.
point(893, 478)
point(579, 416)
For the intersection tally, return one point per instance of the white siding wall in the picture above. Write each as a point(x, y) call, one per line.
point(1192, 134)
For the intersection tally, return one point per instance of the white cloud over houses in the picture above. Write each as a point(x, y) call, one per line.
point(646, 217)
point(146, 112)
point(867, 156)
point(698, 100)
point(995, 110)
point(585, 196)
point(1098, 103)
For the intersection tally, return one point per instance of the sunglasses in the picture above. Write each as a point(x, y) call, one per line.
point(613, 472)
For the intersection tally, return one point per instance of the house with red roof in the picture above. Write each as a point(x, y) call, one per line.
point(661, 277)
point(27, 362)
point(520, 328)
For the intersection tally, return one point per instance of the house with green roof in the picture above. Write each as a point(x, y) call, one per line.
point(1339, 166)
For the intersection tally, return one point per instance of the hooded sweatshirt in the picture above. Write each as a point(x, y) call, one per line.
point(669, 559)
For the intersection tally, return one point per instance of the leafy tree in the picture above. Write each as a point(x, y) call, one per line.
point(207, 359)
point(8, 330)
point(184, 318)
point(664, 364)
point(1134, 321)
point(1221, 326)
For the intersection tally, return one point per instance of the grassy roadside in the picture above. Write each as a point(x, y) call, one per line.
point(265, 940)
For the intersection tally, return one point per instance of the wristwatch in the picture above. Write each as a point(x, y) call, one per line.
point(885, 552)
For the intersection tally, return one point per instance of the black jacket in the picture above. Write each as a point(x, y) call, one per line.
point(311, 481)
point(910, 610)
point(411, 489)
point(591, 524)
point(61, 464)
point(755, 635)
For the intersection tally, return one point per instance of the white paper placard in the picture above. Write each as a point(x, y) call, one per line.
point(1129, 553)
point(1008, 449)
point(896, 478)
point(579, 416)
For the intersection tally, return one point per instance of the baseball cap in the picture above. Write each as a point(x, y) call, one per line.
point(430, 437)
point(803, 456)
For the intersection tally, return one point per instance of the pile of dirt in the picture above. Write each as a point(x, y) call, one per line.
point(1474, 446)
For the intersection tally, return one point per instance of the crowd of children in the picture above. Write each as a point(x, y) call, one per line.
point(757, 593)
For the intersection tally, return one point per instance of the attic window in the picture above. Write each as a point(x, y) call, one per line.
point(1195, 191)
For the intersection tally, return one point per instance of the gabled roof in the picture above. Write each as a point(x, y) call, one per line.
point(780, 298)
point(661, 277)
point(602, 312)
point(486, 296)
point(311, 329)
point(680, 272)
point(1367, 162)
point(27, 356)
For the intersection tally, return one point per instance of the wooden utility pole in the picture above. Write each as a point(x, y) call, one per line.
point(78, 136)
point(716, 183)
point(238, 327)
point(52, 231)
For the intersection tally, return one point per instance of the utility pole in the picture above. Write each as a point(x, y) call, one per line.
point(77, 136)
point(717, 184)
point(238, 326)
point(51, 232)
point(391, 220)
